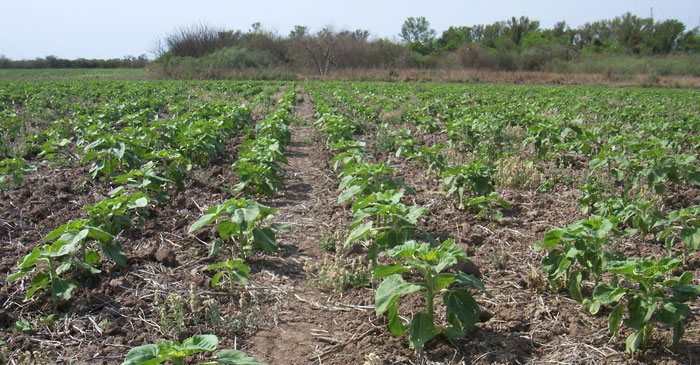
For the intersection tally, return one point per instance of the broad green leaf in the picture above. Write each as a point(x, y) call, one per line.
point(203, 221)
point(575, 285)
point(139, 203)
point(684, 293)
point(227, 229)
point(63, 289)
point(200, 343)
point(39, 281)
point(390, 290)
point(215, 247)
point(462, 309)
point(215, 279)
point(359, 232)
point(282, 228)
point(235, 357)
point(634, 340)
point(421, 330)
point(672, 313)
point(382, 271)
point(607, 294)
point(140, 354)
point(348, 193)
point(115, 253)
point(396, 326)
point(640, 311)
point(265, 239)
point(592, 305)
point(691, 237)
point(471, 281)
point(99, 235)
point(443, 280)
point(615, 319)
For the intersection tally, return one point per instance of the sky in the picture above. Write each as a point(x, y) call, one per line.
point(117, 28)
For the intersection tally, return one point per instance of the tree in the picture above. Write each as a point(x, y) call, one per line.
point(632, 32)
point(322, 48)
point(416, 32)
point(666, 35)
point(488, 34)
point(518, 28)
point(454, 37)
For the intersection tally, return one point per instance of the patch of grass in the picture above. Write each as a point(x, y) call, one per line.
point(75, 74)
point(339, 273)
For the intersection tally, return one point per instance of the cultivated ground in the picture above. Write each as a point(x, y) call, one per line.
point(290, 313)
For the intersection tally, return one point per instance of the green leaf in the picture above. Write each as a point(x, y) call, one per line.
point(215, 247)
point(615, 319)
point(691, 237)
point(63, 289)
point(607, 294)
point(462, 309)
point(265, 239)
point(592, 305)
point(360, 231)
point(235, 357)
point(115, 253)
point(672, 313)
point(215, 279)
point(349, 193)
point(26, 265)
point(640, 311)
point(634, 340)
point(200, 343)
point(282, 228)
point(443, 280)
point(421, 330)
point(472, 281)
point(684, 293)
point(139, 203)
point(140, 354)
point(382, 271)
point(226, 229)
point(575, 285)
point(99, 235)
point(396, 326)
point(390, 290)
point(203, 221)
point(551, 238)
point(40, 281)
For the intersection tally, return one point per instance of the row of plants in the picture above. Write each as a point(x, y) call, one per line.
point(470, 183)
point(143, 159)
point(635, 154)
point(641, 293)
point(386, 226)
point(141, 177)
point(241, 223)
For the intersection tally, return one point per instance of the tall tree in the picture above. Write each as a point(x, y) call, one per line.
point(322, 48)
point(666, 35)
point(518, 28)
point(453, 37)
point(416, 32)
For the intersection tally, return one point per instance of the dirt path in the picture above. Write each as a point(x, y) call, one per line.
point(303, 322)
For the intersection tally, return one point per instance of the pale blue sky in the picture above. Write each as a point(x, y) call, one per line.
point(112, 28)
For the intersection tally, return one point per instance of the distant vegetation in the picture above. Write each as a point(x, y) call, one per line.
point(625, 45)
point(55, 62)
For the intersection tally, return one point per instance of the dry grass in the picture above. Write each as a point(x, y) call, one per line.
point(507, 77)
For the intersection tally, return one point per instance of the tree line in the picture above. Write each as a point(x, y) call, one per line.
point(56, 62)
point(513, 44)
